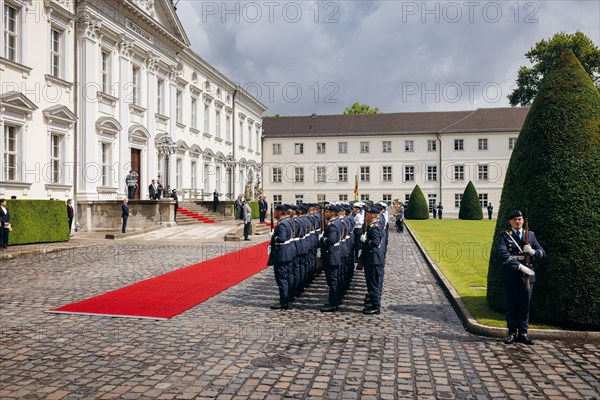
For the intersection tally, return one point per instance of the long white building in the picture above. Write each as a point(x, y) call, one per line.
point(316, 158)
point(90, 89)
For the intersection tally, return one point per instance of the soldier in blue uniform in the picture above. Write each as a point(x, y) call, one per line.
point(330, 245)
point(283, 251)
point(517, 276)
point(373, 259)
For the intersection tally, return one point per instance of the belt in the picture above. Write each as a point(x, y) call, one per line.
point(519, 258)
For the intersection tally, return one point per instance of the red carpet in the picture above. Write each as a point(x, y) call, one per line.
point(167, 295)
point(199, 217)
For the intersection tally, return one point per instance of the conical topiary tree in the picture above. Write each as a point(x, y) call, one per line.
point(417, 205)
point(470, 207)
point(554, 174)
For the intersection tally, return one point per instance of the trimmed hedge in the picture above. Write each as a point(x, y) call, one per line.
point(470, 207)
point(255, 210)
point(554, 174)
point(37, 221)
point(417, 205)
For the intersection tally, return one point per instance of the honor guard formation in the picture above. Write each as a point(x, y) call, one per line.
point(337, 238)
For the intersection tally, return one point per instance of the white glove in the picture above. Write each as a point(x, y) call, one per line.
point(528, 249)
point(363, 237)
point(318, 253)
point(320, 236)
point(269, 250)
point(271, 234)
point(526, 270)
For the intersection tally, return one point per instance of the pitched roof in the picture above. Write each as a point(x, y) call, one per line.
point(480, 120)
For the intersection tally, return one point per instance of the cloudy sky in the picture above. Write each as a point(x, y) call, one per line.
point(303, 57)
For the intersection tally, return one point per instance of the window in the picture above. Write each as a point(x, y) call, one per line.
point(483, 199)
point(321, 174)
point(432, 145)
point(241, 133)
point(106, 80)
point(105, 164)
point(299, 199)
point(431, 200)
point(298, 148)
point(482, 144)
point(218, 123)
point(364, 197)
point(365, 174)
point(135, 90)
point(55, 53)
point(321, 198)
point(482, 170)
point(194, 113)
point(457, 199)
point(406, 198)
point(160, 92)
point(409, 145)
point(459, 144)
point(178, 174)
point(387, 146)
point(409, 173)
point(55, 158)
point(249, 136)
point(386, 173)
point(10, 153)
point(432, 173)
point(257, 133)
point(178, 107)
point(342, 147)
point(343, 197)
point(207, 118)
point(387, 198)
point(364, 147)
point(320, 148)
point(277, 174)
point(11, 34)
point(459, 172)
point(276, 148)
point(512, 141)
point(299, 174)
point(276, 199)
point(228, 128)
point(342, 174)
point(193, 174)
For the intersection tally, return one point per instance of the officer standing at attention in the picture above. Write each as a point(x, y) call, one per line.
point(282, 248)
point(330, 243)
point(490, 209)
point(373, 259)
point(517, 278)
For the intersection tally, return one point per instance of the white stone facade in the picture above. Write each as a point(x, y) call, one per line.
point(86, 94)
point(388, 164)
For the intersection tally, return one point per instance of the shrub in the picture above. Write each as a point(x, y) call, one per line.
point(470, 207)
point(554, 174)
point(38, 221)
point(417, 205)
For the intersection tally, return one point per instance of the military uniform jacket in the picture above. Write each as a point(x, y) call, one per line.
point(373, 246)
point(331, 243)
point(299, 231)
point(282, 247)
point(510, 250)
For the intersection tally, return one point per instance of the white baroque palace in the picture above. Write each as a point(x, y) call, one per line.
point(91, 89)
point(317, 158)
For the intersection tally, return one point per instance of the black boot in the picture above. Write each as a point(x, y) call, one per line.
point(510, 339)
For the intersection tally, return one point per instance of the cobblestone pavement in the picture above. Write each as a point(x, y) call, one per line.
point(234, 347)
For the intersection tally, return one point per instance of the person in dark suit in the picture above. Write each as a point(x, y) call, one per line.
point(70, 213)
point(215, 200)
point(490, 210)
point(332, 258)
point(174, 195)
point(440, 209)
point(373, 259)
point(124, 214)
point(263, 206)
point(4, 224)
point(518, 276)
point(283, 251)
point(153, 190)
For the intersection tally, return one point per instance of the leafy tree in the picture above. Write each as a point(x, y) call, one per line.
point(554, 174)
point(544, 56)
point(470, 207)
point(417, 205)
point(357, 108)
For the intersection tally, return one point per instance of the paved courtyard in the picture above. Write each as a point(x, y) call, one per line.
point(234, 347)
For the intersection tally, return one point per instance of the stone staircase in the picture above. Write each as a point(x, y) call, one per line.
point(183, 219)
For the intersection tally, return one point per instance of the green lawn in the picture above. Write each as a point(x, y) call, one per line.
point(461, 249)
